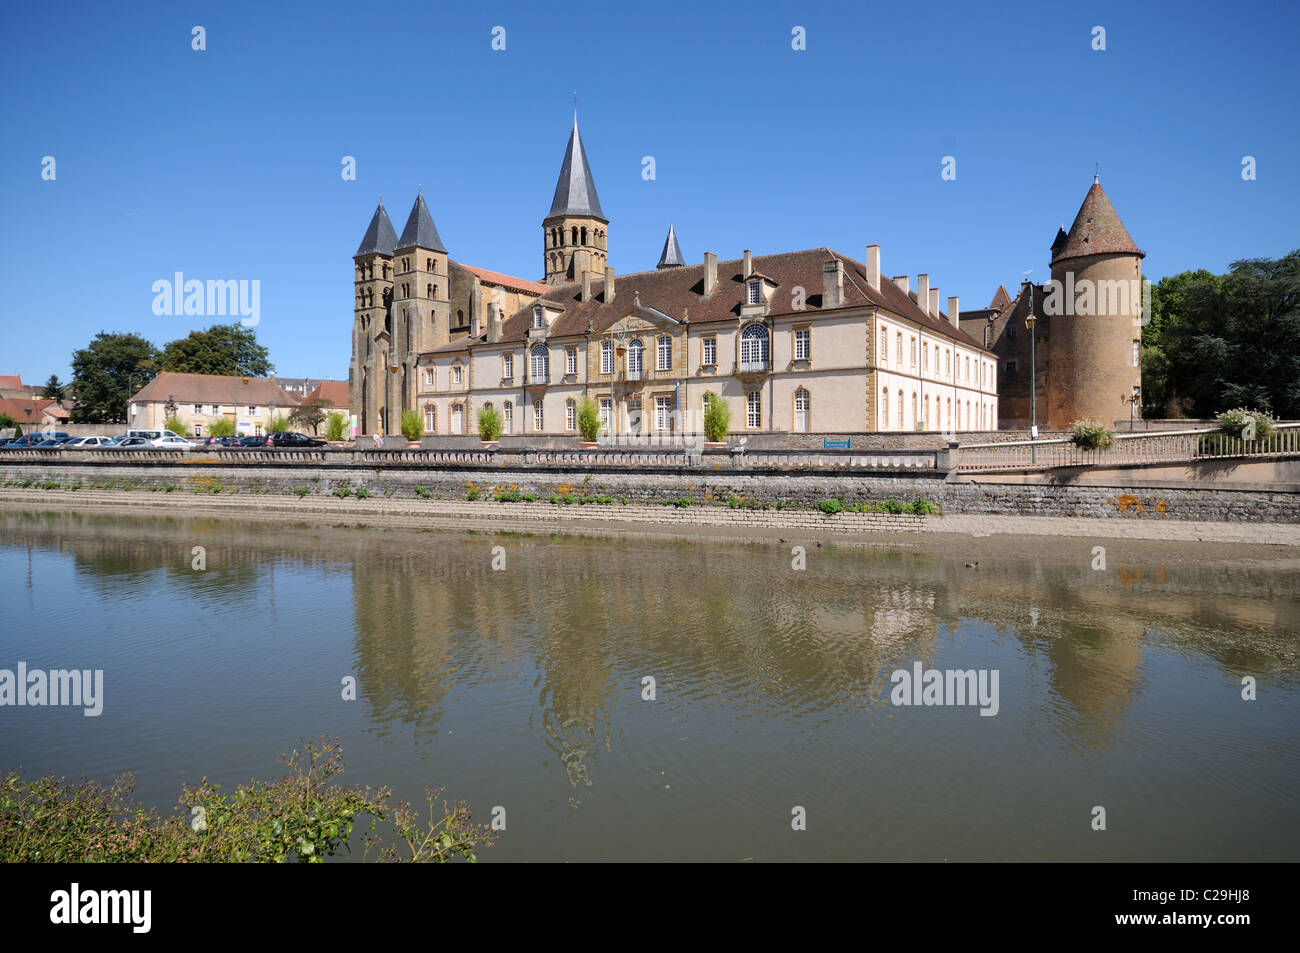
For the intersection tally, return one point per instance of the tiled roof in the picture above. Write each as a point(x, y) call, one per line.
point(1000, 299)
point(31, 411)
point(11, 382)
point(1097, 230)
point(214, 389)
point(334, 393)
point(575, 192)
point(380, 239)
point(420, 231)
point(675, 291)
point(507, 281)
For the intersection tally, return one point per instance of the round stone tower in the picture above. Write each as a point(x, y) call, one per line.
point(1094, 317)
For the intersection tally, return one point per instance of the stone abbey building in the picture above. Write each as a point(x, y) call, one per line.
point(797, 341)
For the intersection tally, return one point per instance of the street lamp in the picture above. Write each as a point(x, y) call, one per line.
point(1030, 320)
point(1134, 400)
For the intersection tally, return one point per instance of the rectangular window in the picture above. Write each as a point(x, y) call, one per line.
point(1137, 353)
point(884, 345)
point(570, 415)
point(252, 411)
point(802, 344)
point(925, 356)
point(753, 410)
point(607, 357)
point(664, 354)
point(428, 377)
point(899, 352)
point(754, 297)
point(663, 413)
point(508, 366)
point(571, 361)
point(455, 374)
point(1011, 368)
point(537, 416)
point(509, 414)
point(606, 411)
point(710, 352)
point(913, 353)
point(947, 362)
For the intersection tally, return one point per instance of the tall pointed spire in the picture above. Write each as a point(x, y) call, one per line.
point(575, 192)
point(672, 254)
point(420, 230)
point(1097, 230)
point(380, 239)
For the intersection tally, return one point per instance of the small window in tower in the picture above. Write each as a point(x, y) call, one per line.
point(1137, 353)
point(754, 296)
point(460, 317)
point(429, 264)
point(575, 235)
point(584, 234)
point(537, 316)
point(429, 291)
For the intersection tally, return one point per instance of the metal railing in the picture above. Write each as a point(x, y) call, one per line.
point(1166, 446)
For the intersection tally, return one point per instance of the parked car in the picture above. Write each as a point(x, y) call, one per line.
point(252, 441)
point(218, 441)
point(171, 443)
point(290, 440)
point(24, 442)
point(152, 434)
point(132, 443)
point(90, 443)
point(49, 443)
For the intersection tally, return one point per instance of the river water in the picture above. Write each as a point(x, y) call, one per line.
point(524, 687)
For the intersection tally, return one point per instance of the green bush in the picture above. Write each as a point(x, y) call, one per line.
point(1091, 435)
point(528, 497)
point(412, 425)
point(221, 427)
point(830, 506)
point(507, 496)
point(363, 493)
point(174, 424)
point(342, 491)
point(562, 500)
point(304, 816)
point(923, 507)
point(279, 424)
point(335, 425)
point(605, 499)
point(490, 422)
point(472, 494)
point(302, 490)
point(1239, 422)
point(589, 422)
point(423, 491)
point(717, 418)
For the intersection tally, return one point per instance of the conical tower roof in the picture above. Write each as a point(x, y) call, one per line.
point(420, 230)
point(1097, 230)
point(672, 254)
point(575, 193)
point(380, 239)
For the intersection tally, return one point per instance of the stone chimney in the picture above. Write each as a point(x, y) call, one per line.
point(832, 284)
point(473, 326)
point(954, 311)
point(609, 285)
point(494, 323)
point(586, 286)
point(749, 264)
point(934, 302)
point(873, 267)
point(923, 292)
point(710, 273)
point(903, 282)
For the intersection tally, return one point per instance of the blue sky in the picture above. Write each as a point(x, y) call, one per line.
point(225, 164)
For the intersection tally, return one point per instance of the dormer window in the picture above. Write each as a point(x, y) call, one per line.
point(537, 316)
point(755, 295)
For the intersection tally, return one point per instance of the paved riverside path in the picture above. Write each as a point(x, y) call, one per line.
point(617, 518)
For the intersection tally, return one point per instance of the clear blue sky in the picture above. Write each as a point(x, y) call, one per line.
point(226, 163)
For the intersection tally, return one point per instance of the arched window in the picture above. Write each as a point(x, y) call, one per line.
point(901, 411)
point(802, 405)
point(538, 364)
point(635, 353)
point(570, 414)
point(508, 415)
point(947, 415)
point(584, 234)
point(458, 418)
point(430, 418)
point(754, 410)
point(927, 411)
point(538, 419)
point(884, 409)
point(915, 419)
point(428, 264)
point(460, 317)
point(754, 348)
point(575, 235)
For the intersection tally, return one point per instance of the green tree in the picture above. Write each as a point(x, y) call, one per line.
point(334, 426)
point(221, 427)
point(490, 422)
point(589, 422)
point(1230, 341)
point(107, 373)
point(279, 424)
point(53, 389)
point(717, 418)
point(228, 349)
point(412, 425)
point(310, 413)
point(6, 422)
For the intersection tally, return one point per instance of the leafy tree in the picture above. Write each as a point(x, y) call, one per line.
point(228, 349)
point(6, 422)
point(53, 389)
point(490, 422)
point(107, 373)
point(175, 425)
point(334, 425)
point(589, 422)
point(412, 425)
point(1215, 343)
point(279, 424)
point(310, 413)
point(221, 427)
point(717, 418)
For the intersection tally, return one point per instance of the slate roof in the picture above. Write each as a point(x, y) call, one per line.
point(380, 239)
point(575, 192)
point(214, 389)
point(675, 291)
point(1000, 299)
point(1097, 230)
point(672, 253)
point(420, 230)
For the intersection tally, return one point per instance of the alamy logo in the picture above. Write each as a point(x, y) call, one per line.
point(1107, 297)
point(59, 686)
point(922, 686)
point(103, 906)
point(193, 297)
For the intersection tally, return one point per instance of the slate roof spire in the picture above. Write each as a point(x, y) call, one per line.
point(380, 239)
point(575, 192)
point(672, 254)
point(420, 230)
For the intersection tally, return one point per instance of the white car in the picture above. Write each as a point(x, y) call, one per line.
point(171, 443)
point(89, 443)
